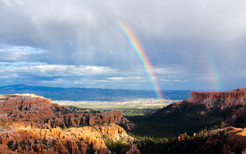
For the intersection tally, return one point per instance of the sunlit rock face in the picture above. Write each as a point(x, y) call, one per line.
point(223, 99)
point(40, 112)
point(226, 140)
point(24, 102)
point(57, 140)
point(26, 107)
point(235, 142)
point(31, 123)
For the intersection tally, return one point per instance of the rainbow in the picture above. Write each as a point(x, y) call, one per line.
point(212, 71)
point(142, 56)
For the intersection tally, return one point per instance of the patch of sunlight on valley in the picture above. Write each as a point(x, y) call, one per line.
point(129, 108)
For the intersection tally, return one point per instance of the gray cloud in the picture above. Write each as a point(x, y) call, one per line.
point(183, 40)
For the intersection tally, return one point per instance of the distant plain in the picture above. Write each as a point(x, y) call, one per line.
point(129, 108)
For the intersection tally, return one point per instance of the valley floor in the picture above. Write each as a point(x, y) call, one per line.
point(128, 108)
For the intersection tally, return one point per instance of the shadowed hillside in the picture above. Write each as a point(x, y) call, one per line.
point(199, 111)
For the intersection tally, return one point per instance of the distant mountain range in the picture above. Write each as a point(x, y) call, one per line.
point(92, 94)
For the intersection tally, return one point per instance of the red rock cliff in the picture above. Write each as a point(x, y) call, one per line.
point(19, 102)
point(31, 124)
point(38, 111)
point(219, 99)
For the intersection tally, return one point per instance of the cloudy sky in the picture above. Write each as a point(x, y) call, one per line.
point(192, 44)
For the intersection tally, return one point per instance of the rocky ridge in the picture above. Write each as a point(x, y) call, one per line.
point(202, 109)
point(230, 105)
point(235, 141)
point(40, 112)
point(32, 124)
point(226, 140)
point(221, 99)
point(57, 140)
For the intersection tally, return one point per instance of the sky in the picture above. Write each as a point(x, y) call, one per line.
point(191, 44)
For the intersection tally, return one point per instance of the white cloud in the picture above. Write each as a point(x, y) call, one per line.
point(173, 80)
point(68, 70)
point(128, 78)
point(9, 76)
point(123, 78)
point(49, 70)
point(116, 78)
point(19, 53)
point(10, 3)
point(90, 82)
point(20, 50)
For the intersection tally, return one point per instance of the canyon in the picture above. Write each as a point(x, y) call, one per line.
point(32, 124)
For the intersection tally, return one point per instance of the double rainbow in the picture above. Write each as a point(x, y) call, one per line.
point(143, 57)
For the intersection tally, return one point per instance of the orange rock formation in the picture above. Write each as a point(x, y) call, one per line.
point(235, 142)
point(32, 124)
point(221, 99)
point(39, 112)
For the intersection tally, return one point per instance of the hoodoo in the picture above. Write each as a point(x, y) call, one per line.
point(31, 123)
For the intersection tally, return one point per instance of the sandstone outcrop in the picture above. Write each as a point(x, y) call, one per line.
point(222, 99)
point(37, 111)
point(224, 140)
point(57, 140)
point(130, 149)
point(32, 124)
point(234, 142)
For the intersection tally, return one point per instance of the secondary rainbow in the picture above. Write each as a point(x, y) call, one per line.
point(142, 56)
point(212, 72)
